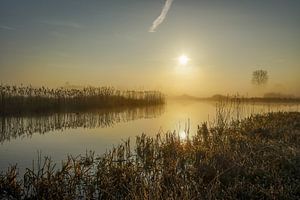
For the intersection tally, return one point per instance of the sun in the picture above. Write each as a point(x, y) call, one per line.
point(183, 60)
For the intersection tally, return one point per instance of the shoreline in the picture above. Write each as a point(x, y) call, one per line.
point(226, 159)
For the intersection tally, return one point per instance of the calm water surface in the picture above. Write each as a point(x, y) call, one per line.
point(59, 135)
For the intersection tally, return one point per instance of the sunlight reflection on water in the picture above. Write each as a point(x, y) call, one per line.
point(183, 135)
point(58, 135)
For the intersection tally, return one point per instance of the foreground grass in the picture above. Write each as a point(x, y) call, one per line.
point(255, 158)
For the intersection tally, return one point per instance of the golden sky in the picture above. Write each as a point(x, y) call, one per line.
point(113, 43)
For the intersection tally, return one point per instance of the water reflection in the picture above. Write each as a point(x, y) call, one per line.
point(183, 135)
point(15, 127)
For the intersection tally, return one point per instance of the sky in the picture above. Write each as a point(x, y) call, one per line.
point(113, 42)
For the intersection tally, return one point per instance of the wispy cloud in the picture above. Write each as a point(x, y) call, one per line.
point(7, 28)
point(160, 19)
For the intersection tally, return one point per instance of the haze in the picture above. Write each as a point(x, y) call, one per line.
point(104, 42)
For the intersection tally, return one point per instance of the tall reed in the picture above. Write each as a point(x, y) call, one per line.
point(17, 100)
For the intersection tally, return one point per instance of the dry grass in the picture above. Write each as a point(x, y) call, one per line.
point(254, 158)
point(22, 100)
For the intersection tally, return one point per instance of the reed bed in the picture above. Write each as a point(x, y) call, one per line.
point(253, 158)
point(265, 99)
point(18, 100)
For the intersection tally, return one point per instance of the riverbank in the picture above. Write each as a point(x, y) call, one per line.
point(255, 158)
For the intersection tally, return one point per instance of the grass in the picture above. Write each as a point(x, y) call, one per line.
point(22, 100)
point(254, 158)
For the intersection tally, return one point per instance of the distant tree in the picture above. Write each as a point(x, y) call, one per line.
point(260, 77)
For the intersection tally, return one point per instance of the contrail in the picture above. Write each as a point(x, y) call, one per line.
point(162, 16)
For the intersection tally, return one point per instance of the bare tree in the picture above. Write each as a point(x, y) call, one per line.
point(260, 77)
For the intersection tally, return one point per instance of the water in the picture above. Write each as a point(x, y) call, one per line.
point(59, 135)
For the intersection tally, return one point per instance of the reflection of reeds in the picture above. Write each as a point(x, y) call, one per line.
point(14, 127)
point(257, 158)
point(27, 100)
point(235, 108)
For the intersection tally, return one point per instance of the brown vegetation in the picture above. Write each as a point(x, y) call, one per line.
point(254, 158)
point(28, 100)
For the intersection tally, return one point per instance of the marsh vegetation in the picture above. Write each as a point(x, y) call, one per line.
point(22, 100)
point(254, 158)
point(237, 154)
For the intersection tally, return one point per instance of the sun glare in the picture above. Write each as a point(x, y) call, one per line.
point(183, 60)
point(182, 135)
